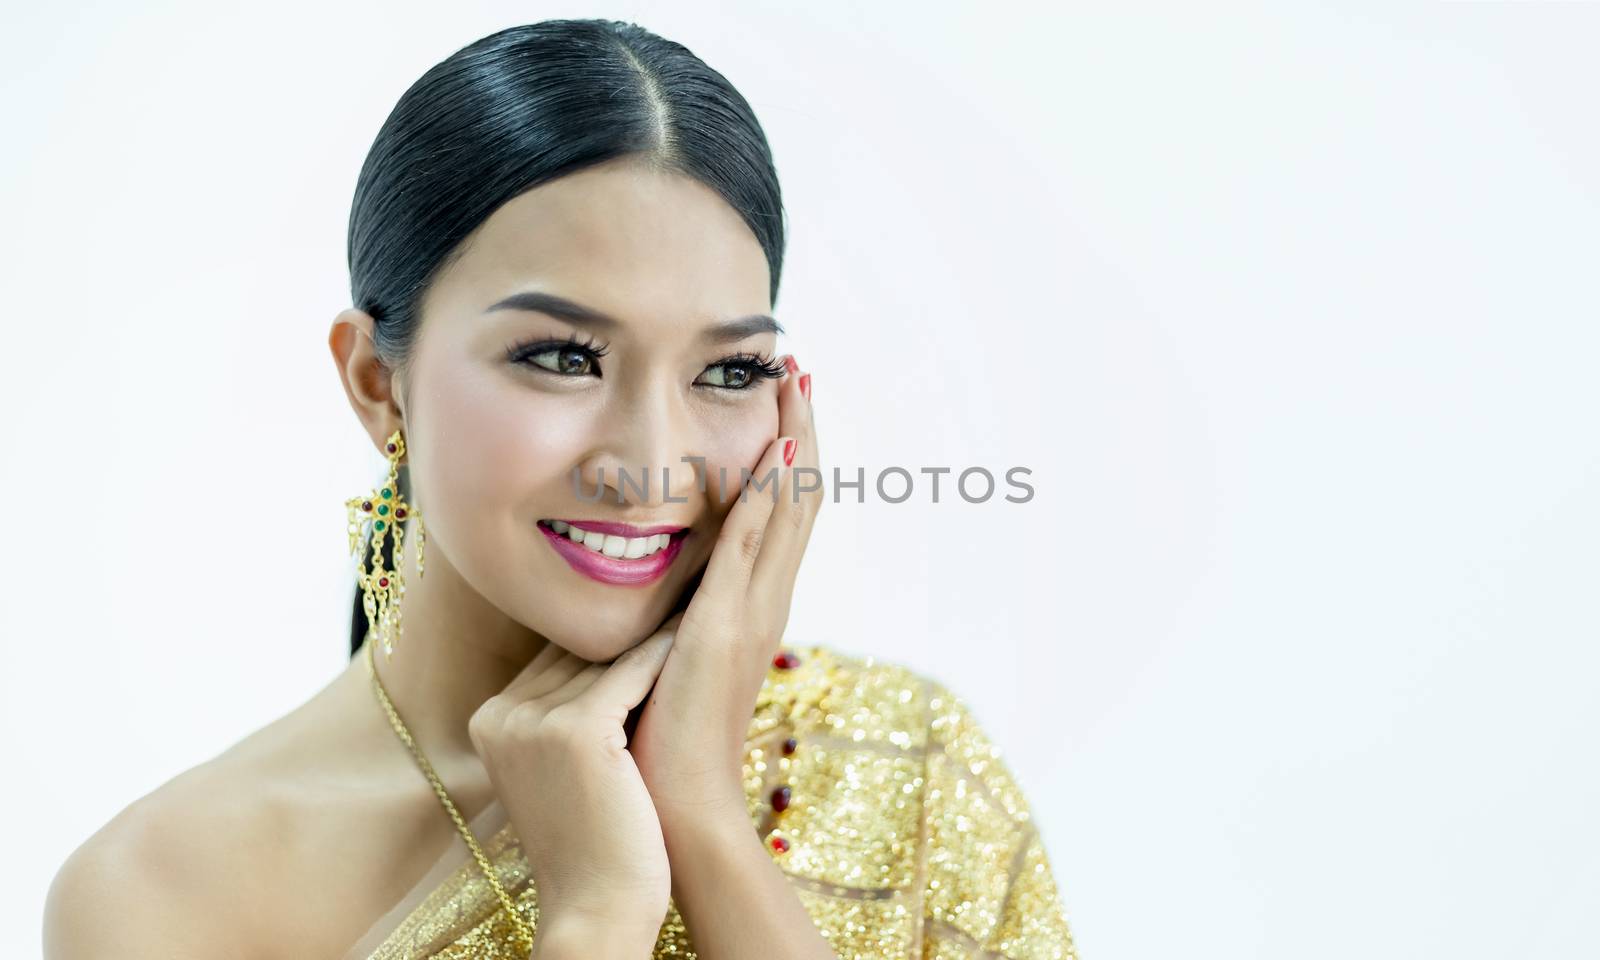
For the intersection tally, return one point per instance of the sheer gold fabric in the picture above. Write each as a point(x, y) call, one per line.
point(908, 836)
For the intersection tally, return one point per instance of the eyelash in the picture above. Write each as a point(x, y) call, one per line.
point(761, 367)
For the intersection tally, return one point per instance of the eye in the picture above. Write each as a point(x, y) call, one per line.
point(742, 371)
point(573, 361)
point(568, 358)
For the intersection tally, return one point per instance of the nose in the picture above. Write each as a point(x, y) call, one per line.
point(645, 454)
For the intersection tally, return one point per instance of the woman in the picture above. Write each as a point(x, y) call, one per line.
point(568, 726)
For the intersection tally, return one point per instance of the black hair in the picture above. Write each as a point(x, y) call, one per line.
point(519, 108)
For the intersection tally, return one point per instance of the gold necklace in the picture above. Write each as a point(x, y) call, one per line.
point(524, 932)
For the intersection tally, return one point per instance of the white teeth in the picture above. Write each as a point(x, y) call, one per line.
point(626, 548)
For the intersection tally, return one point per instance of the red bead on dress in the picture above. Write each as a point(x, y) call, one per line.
point(785, 661)
point(779, 844)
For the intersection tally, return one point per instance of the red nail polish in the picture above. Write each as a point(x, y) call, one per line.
point(788, 453)
point(789, 363)
point(805, 386)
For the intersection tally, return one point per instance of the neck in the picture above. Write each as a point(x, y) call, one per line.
point(458, 650)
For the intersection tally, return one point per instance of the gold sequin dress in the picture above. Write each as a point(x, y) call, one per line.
point(904, 834)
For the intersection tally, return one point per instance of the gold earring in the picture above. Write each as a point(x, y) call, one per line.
point(371, 518)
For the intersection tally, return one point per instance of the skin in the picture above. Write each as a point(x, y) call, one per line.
point(328, 818)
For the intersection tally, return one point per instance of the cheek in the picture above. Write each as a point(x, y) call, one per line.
point(737, 442)
point(494, 445)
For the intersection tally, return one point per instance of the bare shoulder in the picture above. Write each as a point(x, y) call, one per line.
point(315, 816)
point(161, 879)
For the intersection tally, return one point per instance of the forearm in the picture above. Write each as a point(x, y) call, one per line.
point(734, 899)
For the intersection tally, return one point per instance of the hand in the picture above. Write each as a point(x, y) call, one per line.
point(553, 744)
point(690, 739)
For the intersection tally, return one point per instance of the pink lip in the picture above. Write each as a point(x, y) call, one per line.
point(616, 570)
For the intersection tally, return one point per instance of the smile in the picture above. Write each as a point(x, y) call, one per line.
point(615, 553)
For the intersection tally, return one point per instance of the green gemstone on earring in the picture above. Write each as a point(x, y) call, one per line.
point(383, 509)
point(377, 524)
point(386, 493)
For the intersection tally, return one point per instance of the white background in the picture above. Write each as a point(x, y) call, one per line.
point(1291, 312)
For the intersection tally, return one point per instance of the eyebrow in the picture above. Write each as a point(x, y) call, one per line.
point(571, 311)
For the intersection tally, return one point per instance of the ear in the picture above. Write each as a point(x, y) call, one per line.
point(371, 386)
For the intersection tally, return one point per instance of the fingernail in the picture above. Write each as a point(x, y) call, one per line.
point(789, 362)
point(805, 386)
point(788, 453)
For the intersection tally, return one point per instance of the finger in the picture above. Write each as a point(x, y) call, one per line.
point(789, 528)
point(549, 669)
point(588, 675)
point(621, 685)
point(739, 542)
point(572, 686)
point(548, 654)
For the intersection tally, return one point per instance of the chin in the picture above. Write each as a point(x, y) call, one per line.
point(602, 635)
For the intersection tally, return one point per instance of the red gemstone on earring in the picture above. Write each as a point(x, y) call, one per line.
point(400, 514)
point(790, 745)
point(383, 581)
point(780, 798)
point(779, 844)
point(786, 661)
point(389, 447)
point(366, 505)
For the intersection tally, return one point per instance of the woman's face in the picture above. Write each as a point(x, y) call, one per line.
point(516, 420)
